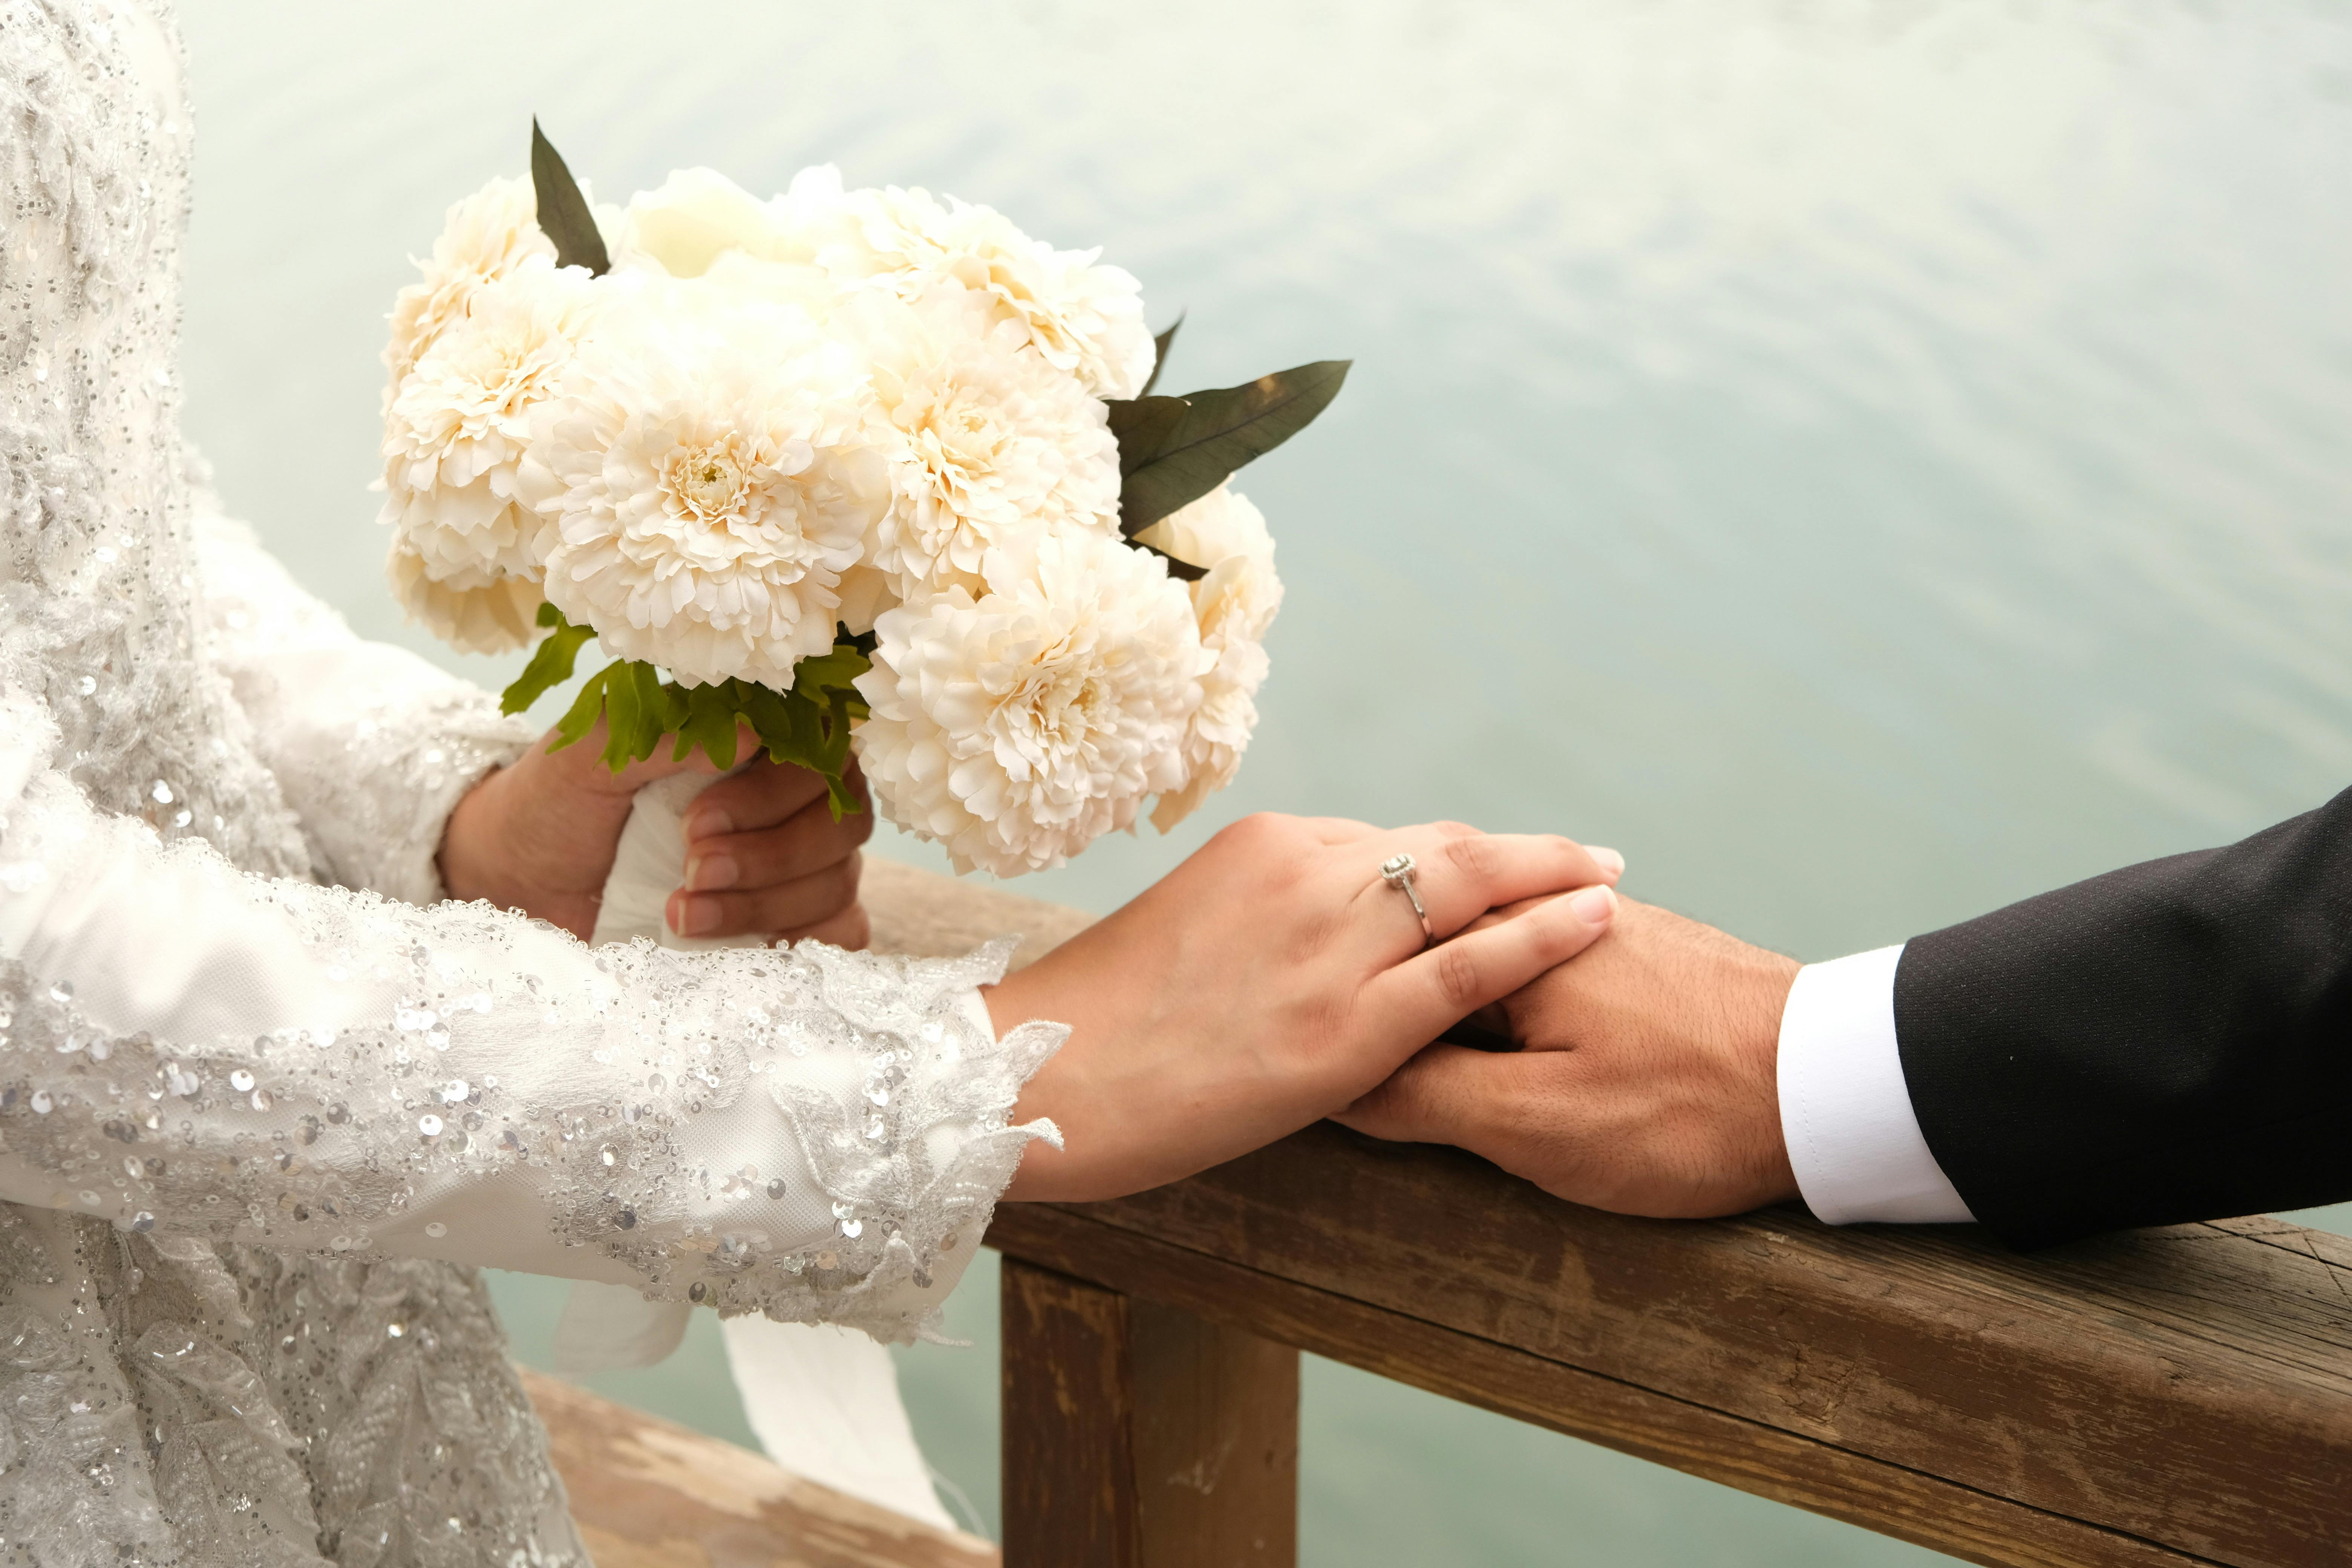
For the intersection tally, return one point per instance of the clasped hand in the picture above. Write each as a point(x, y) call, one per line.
point(1271, 980)
point(763, 854)
point(1647, 1081)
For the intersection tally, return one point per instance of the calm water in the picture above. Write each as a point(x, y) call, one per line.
point(1866, 463)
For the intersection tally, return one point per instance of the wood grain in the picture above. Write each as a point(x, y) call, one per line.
point(1138, 1435)
point(2163, 1396)
point(1750, 1456)
point(648, 1494)
point(2190, 1386)
point(1070, 1423)
point(1216, 1442)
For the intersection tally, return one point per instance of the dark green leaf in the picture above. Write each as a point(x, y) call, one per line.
point(550, 666)
point(1159, 354)
point(1219, 432)
point(563, 215)
point(1142, 426)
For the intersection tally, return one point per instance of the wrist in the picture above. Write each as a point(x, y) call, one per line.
point(1761, 997)
point(463, 859)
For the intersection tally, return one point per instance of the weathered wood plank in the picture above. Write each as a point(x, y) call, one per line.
point(2187, 1387)
point(1751, 1456)
point(1138, 1435)
point(648, 1494)
point(1070, 1423)
point(1216, 1442)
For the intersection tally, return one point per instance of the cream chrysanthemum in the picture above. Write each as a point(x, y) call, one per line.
point(1085, 318)
point(988, 444)
point(486, 236)
point(1234, 605)
point(497, 616)
point(1016, 727)
point(706, 482)
point(456, 431)
point(698, 215)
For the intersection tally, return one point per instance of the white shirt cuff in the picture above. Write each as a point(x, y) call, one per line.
point(1845, 1111)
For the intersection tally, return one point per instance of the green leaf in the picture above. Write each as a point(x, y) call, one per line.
point(581, 716)
point(709, 725)
point(830, 671)
point(624, 715)
point(1142, 426)
point(1159, 354)
point(550, 666)
point(563, 215)
point(808, 726)
point(1174, 463)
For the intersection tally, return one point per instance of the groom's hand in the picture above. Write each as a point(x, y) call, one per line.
point(763, 854)
point(1646, 1083)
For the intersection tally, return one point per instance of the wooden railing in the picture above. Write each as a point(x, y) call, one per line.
point(2165, 1397)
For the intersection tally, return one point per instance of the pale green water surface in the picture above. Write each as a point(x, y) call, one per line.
point(1865, 462)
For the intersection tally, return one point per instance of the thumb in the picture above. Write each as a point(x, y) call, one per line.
point(1447, 1094)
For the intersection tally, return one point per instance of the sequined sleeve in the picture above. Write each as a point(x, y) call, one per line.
point(370, 745)
point(189, 1048)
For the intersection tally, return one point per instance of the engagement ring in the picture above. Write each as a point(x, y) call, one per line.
point(1397, 872)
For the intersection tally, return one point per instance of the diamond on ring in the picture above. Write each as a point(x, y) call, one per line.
point(1397, 872)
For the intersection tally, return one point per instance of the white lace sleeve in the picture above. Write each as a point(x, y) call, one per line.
point(184, 1048)
point(371, 746)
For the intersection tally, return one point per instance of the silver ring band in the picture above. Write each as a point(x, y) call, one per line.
point(1397, 872)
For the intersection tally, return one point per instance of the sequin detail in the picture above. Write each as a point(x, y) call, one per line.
point(212, 1350)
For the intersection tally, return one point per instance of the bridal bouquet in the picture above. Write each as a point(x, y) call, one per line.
point(867, 472)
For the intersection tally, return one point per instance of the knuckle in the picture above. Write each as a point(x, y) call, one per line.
point(1457, 976)
point(1451, 829)
point(1477, 857)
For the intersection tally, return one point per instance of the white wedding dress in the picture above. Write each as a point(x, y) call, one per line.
point(263, 1104)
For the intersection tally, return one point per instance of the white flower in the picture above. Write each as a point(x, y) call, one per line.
point(696, 216)
point(705, 484)
point(485, 236)
point(457, 431)
point(1083, 319)
point(1234, 605)
point(496, 617)
point(1017, 727)
point(989, 444)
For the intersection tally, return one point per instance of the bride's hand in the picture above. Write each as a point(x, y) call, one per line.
point(763, 855)
point(1273, 979)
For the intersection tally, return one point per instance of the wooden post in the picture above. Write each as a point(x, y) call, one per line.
point(1139, 1436)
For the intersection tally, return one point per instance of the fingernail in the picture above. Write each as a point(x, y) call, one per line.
point(710, 822)
point(1592, 905)
point(690, 916)
point(1608, 859)
point(704, 872)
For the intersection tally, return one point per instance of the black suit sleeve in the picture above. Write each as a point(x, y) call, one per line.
point(2166, 1043)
